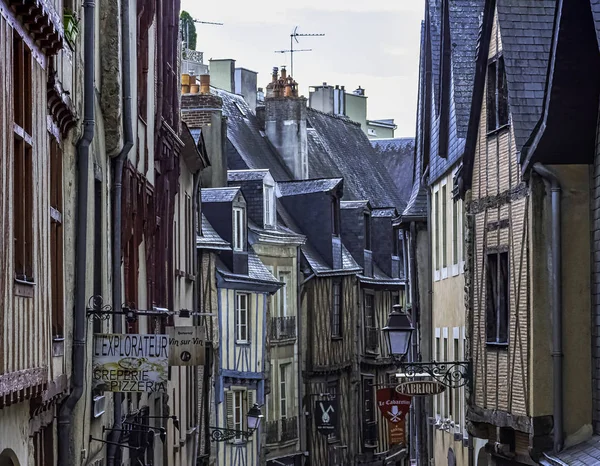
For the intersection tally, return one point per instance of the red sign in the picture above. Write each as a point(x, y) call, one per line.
point(393, 405)
point(398, 433)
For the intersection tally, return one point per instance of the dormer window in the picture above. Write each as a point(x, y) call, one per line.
point(239, 229)
point(497, 95)
point(367, 219)
point(335, 216)
point(270, 213)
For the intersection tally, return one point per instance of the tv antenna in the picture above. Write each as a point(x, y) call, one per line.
point(206, 22)
point(294, 37)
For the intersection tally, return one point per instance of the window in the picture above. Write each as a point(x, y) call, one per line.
point(367, 219)
point(444, 238)
point(23, 162)
point(43, 446)
point(56, 239)
point(436, 207)
point(189, 234)
point(368, 400)
point(336, 318)
point(497, 95)
point(283, 294)
point(239, 229)
point(447, 393)
point(457, 391)
point(497, 296)
point(238, 401)
point(438, 398)
point(371, 332)
point(335, 216)
point(333, 389)
point(269, 206)
point(238, 412)
point(455, 236)
point(283, 378)
point(395, 242)
point(242, 311)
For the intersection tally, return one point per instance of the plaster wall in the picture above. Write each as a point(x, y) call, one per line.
point(246, 85)
point(356, 109)
point(222, 74)
point(14, 427)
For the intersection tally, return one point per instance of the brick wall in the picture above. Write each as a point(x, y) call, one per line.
point(595, 214)
point(196, 109)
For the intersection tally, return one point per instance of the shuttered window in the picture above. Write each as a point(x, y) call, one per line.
point(238, 402)
point(336, 318)
point(23, 163)
point(242, 311)
point(56, 239)
point(497, 298)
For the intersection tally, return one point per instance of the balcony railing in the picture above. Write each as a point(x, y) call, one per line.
point(371, 338)
point(370, 433)
point(283, 328)
point(289, 429)
point(283, 430)
point(272, 431)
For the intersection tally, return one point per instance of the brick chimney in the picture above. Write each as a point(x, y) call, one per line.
point(285, 123)
point(203, 110)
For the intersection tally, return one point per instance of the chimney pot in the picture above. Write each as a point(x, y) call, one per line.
point(283, 73)
point(205, 84)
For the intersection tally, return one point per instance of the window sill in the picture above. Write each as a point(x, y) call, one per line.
point(24, 288)
point(499, 345)
point(242, 343)
point(498, 130)
point(336, 337)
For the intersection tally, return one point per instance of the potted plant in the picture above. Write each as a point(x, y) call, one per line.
point(71, 25)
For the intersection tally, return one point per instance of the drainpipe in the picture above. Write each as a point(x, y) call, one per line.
point(118, 163)
point(196, 297)
point(301, 418)
point(65, 417)
point(556, 276)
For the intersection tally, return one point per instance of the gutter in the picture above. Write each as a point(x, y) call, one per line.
point(556, 278)
point(65, 417)
point(118, 164)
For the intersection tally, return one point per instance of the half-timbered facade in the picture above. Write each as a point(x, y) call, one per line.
point(522, 280)
point(38, 112)
point(240, 347)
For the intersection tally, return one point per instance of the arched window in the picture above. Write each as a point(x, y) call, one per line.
point(451, 458)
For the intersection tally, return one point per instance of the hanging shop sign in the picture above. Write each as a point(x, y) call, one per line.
point(397, 433)
point(393, 405)
point(186, 346)
point(130, 363)
point(430, 387)
point(326, 417)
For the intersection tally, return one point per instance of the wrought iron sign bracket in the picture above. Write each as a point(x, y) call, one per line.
point(220, 434)
point(108, 442)
point(451, 374)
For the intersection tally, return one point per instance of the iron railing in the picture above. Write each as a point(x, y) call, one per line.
point(283, 328)
point(289, 429)
point(272, 431)
point(371, 338)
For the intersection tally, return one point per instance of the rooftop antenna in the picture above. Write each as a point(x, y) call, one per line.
point(206, 22)
point(195, 20)
point(294, 37)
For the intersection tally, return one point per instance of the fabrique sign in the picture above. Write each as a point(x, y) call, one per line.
point(130, 363)
point(393, 406)
point(186, 346)
point(417, 388)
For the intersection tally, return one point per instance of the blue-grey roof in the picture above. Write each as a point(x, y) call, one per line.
point(294, 188)
point(219, 194)
point(526, 31)
point(584, 454)
point(247, 175)
point(596, 14)
point(257, 272)
point(210, 239)
point(384, 212)
point(355, 205)
point(320, 267)
point(397, 156)
point(337, 147)
point(247, 145)
point(381, 278)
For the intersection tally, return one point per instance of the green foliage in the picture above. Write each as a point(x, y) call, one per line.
point(188, 30)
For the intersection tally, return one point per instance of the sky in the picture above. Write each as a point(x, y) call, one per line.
point(372, 44)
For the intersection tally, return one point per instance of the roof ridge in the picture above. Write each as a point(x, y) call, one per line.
point(338, 117)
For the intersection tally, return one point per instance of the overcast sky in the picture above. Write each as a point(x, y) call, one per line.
point(372, 44)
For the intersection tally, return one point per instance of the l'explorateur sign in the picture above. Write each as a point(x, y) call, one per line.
point(130, 363)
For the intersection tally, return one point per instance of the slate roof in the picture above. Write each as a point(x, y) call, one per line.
point(526, 31)
point(210, 239)
point(435, 36)
point(219, 194)
point(257, 272)
point(247, 175)
point(294, 188)
point(381, 278)
point(247, 146)
point(278, 232)
point(397, 155)
point(384, 212)
point(584, 454)
point(596, 14)
point(355, 205)
point(337, 147)
point(320, 267)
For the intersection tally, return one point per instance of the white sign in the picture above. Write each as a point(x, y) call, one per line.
point(130, 363)
point(186, 346)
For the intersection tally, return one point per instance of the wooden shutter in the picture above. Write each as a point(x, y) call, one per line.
point(229, 409)
point(250, 400)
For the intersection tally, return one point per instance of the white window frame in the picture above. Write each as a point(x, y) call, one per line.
point(458, 393)
point(444, 228)
point(238, 413)
point(239, 311)
point(435, 235)
point(269, 206)
point(284, 276)
point(283, 390)
point(239, 228)
point(437, 351)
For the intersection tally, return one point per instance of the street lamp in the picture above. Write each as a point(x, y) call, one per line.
point(452, 374)
point(220, 434)
point(398, 330)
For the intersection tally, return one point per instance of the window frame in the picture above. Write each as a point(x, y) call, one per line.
point(335, 216)
point(283, 390)
point(269, 206)
point(282, 294)
point(497, 318)
point(336, 309)
point(444, 229)
point(56, 239)
point(238, 320)
point(368, 231)
point(436, 233)
point(239, 228)
point(496, 100)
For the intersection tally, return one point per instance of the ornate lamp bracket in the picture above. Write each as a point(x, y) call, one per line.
point(220, 434)
point(452, 374)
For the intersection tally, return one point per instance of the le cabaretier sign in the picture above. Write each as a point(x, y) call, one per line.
point(393, 406)
point(130, 363)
